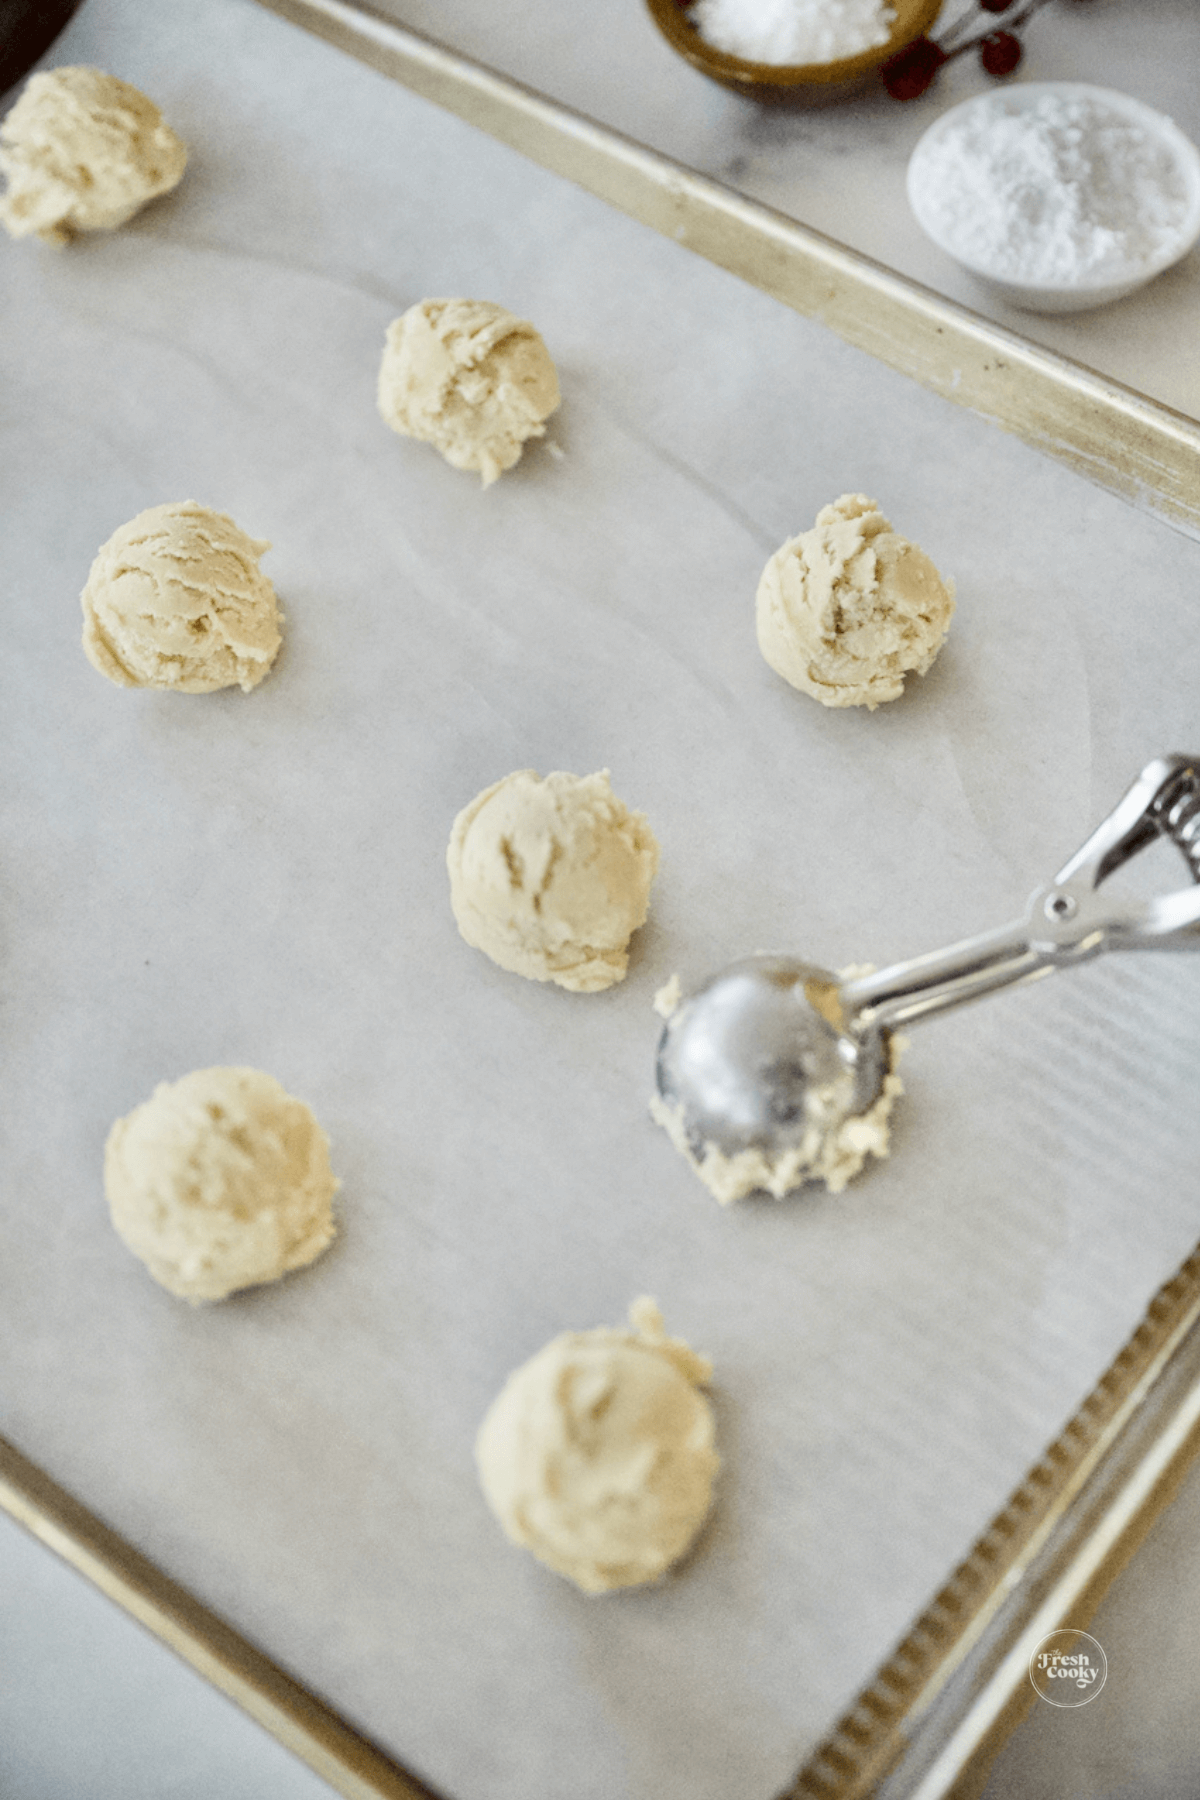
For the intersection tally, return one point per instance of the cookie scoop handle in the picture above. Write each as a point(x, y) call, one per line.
point(1067, 922)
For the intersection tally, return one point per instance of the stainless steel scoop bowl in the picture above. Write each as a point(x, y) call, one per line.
point(738, 1058)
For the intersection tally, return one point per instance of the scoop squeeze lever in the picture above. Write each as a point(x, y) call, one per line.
point(739, 1058)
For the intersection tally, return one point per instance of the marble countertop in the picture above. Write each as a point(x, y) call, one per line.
point(840, 167)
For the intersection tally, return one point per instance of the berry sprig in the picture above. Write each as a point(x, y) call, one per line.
point(907, 74)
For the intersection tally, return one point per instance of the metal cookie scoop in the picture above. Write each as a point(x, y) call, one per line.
point(740, 1060)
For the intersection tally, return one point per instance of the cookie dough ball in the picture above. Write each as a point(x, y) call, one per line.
point(848, 609)
point(220, 1181)
point(83, 152)
point(176, 599)
point(469, 378)
point(598, 1453)
point(552, 878)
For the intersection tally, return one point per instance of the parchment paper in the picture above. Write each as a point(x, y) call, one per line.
point(840, 166)
point(187, 880)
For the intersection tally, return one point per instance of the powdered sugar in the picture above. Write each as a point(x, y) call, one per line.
point(1058, 189)
point(793, 31)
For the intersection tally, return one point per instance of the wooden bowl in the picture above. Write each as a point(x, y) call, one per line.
point(777, 80)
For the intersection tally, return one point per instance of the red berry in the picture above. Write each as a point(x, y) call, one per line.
point(907, 74)
point(995, 6)
point(1000, 53)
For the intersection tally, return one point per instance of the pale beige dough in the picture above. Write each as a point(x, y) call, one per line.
point(834, 1148)
point(220, 1181)
point(598, 1454)
point(847, 610)
point(469, 378)
point(83, 151)
point(551, 878)
point(835, 1145)
point(176, 599)
point(668, 997)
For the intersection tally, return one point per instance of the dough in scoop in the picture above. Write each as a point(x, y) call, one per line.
point(176, 599)
point(469, 378)
point(220, 1181)
point(83, 151)
point(551, 878)
point(833, 1147)
point(598, 1453)
point(847, 610)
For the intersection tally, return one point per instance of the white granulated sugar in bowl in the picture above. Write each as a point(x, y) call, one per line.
point(1062, 189)
point(793, 31)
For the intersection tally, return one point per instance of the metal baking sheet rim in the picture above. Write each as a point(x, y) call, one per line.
point(935, 1712)
point(942, 1703)
point(1144, 451)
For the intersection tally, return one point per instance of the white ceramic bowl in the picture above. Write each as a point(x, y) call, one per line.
point(1078, 295)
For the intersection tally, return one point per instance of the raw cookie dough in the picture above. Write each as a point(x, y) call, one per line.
point(220, 1181)
point(176, 599)
point(835, 1145)
point(469, 378)
point(668, 997)
point(598, 1454)
point(552, 878)
point(83, 152)
point(847, 610)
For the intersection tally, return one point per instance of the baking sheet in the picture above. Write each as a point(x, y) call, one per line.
point(188, 880)
point(840, 167)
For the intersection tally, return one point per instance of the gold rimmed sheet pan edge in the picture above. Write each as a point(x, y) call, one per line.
point(927, 1723)
point(1144, 451)
point(936, 1712)
point(300, 1721)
